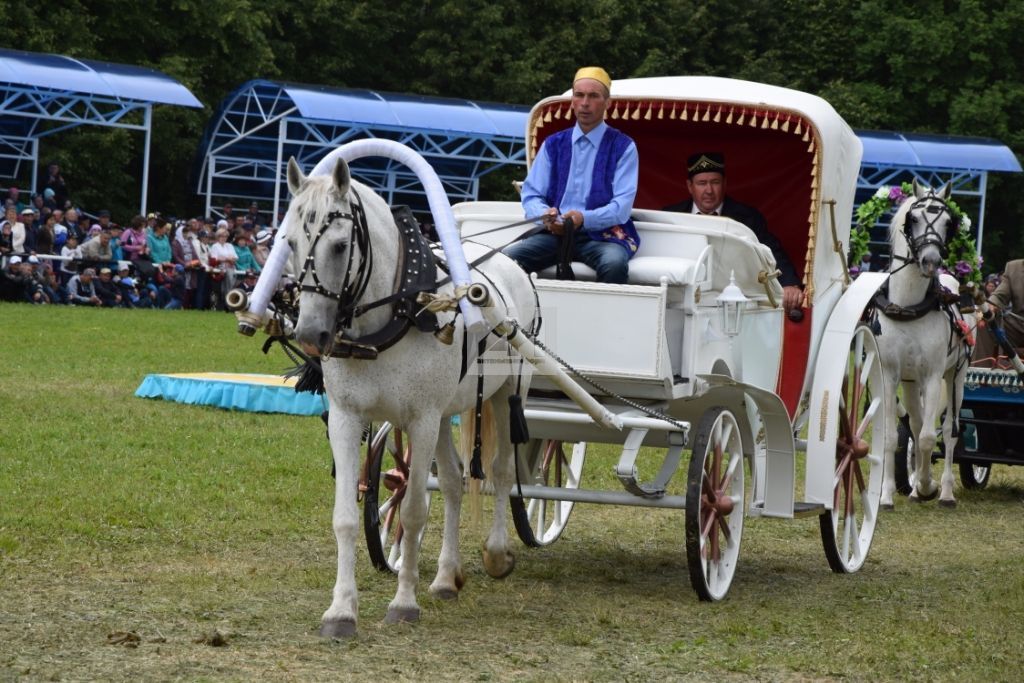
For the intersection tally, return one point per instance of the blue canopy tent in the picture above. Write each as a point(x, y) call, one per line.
point(965, 162)
point(43, 94)
point(247, 144)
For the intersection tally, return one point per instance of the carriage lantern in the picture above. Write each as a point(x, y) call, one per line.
point(731, 303)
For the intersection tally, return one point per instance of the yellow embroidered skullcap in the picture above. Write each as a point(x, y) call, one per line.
point(596, 73)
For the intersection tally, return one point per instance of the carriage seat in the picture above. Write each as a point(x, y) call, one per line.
point(665, 252)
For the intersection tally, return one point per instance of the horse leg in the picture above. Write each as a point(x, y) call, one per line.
point(929, 402)
point(498, 558)
point(954, 396)
point(339, 621)
point(422, 440)
point(889, 464)
point(449, 579)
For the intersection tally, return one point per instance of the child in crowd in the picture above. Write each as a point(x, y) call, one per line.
point(245, 258)
point(70, 250)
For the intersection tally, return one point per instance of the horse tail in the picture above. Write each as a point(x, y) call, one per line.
point(488, 449)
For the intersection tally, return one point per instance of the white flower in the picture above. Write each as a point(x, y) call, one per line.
point(965, 222)
point(882, 192)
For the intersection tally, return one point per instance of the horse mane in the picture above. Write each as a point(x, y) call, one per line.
point(314, 202)
point(898, 220)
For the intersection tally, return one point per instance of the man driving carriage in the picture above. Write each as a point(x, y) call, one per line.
point(705, 181)
point(587, 176)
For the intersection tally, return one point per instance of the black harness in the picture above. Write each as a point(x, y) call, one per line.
point(416, 273)
point(934, 208)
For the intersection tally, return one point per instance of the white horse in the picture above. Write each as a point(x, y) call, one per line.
point(345, 260)
point(919, 344)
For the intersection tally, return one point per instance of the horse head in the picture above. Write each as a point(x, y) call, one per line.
point(330, 253)
point(926, 223)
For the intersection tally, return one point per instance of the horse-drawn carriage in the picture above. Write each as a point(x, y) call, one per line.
point(693, 355)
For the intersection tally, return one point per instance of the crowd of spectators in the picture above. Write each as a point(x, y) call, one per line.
point(52, 252)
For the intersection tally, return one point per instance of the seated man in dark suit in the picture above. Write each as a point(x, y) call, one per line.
point(706, 183)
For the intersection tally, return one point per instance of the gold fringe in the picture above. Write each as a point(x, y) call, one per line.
point(539, 123)
point(625, 112)
point(672, 114)
point(785, 125)
point(764, 122)
point(810, 147)
point(743, 115)
point(661, 111)
point(798, 129)
point(707, 114)
point(647, 116)
point(683, 114)
point(807, 136)
point(718, 115)
point(728, 119)
point(775, 123)
point(558, 113)
point(636, 112)
point(568, 113)
point(753, 119)
point(547, 116)
point(615, 112)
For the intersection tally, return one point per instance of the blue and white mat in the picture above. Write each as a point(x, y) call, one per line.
point(233, 391)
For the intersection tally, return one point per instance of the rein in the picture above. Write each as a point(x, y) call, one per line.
point(930, 236)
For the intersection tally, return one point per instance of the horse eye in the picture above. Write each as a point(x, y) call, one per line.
point(339, 247)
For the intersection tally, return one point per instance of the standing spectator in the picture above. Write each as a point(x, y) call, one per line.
point(223, 257)
point(96, 251)
point(54, 181)
point(203, 280)
point(70, 222)
point(107, 290)
point(19, 231)
point(45, 238)
point(70, 250)
point(48, 201)
point(253, 214)
point(82, 289)
point(14, 194)
point(159, 244)
point(245, 258)
point(261, 252)
point(184, 252)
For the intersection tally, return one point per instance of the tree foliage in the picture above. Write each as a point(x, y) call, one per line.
point(944, 67)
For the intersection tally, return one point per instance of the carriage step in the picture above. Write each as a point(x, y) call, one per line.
point(802, 508)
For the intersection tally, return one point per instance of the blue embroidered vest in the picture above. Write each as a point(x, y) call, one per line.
point(613, 145)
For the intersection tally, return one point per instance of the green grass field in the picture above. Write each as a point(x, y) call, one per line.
point(121, 515)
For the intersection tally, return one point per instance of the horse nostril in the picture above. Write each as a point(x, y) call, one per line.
point(323, 338)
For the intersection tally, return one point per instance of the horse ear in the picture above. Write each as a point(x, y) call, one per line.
point(946, 190)
point(296, 179)
point(342, 177)
point(919, 189)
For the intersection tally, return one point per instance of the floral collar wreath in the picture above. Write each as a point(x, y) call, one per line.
point(963, 260)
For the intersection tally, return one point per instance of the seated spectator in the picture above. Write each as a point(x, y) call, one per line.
point(107, 290)
point(14, 194)
point(42, 291)
point(133, 240)
point(71, 251)
point(174, 285)
point(991, 282)
point(245, 261)
point(6, 238)
point(249, 282)
point(261, 251)
point(96, 251)
point(14, 282)
point(82, 289)
point(130, 296)
point(159, 244)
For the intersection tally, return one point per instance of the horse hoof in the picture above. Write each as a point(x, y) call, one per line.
point(949, 504)
point(887, 506)
point(402, 615)
point(338, 628)
point(927, 497)
point(446, 594)
point(499, 565)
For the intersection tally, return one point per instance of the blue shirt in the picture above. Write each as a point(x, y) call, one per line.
point(581, 173)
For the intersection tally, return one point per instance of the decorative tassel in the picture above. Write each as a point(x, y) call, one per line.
point(728, 119)
point(798, 129)
point(753, 119)
point(775, 123)
point(547, 116)
point(743, 116)
point(647, 116)
point(785, 125)
point(310, 377)
point(615, 112)
point(558, 113)
point(519, 432)
point(810, 147)
point(707, 114)
point(807, 136)
point(718, 114)
point(636, 112)
point(764, 122)
point(683, 114)
point(568, 113)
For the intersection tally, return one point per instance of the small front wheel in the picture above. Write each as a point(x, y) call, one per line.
point(388, 459)
point(540, 522)
point(715, 496)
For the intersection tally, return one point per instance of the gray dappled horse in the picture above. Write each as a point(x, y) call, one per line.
point(919, 344)
point(344, 260)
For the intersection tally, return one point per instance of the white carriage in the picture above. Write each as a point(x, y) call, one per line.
point(695, 353)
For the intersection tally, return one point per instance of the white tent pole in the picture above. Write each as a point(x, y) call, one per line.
point(148, 124)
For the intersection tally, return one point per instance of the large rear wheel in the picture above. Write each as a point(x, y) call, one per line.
point(848, 528)
point(715, 498)
point(387, 474)
point(546, 462)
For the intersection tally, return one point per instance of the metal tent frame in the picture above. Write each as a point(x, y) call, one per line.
point(964, 162)
point(44, 94)
point(247, 144)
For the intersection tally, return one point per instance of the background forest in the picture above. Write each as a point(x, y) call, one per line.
point(939, 67)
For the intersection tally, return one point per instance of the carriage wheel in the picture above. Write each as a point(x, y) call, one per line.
point(847, 529)
point(544, 462)
point(387, 472)
point(973, 475)
point(715, 500)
